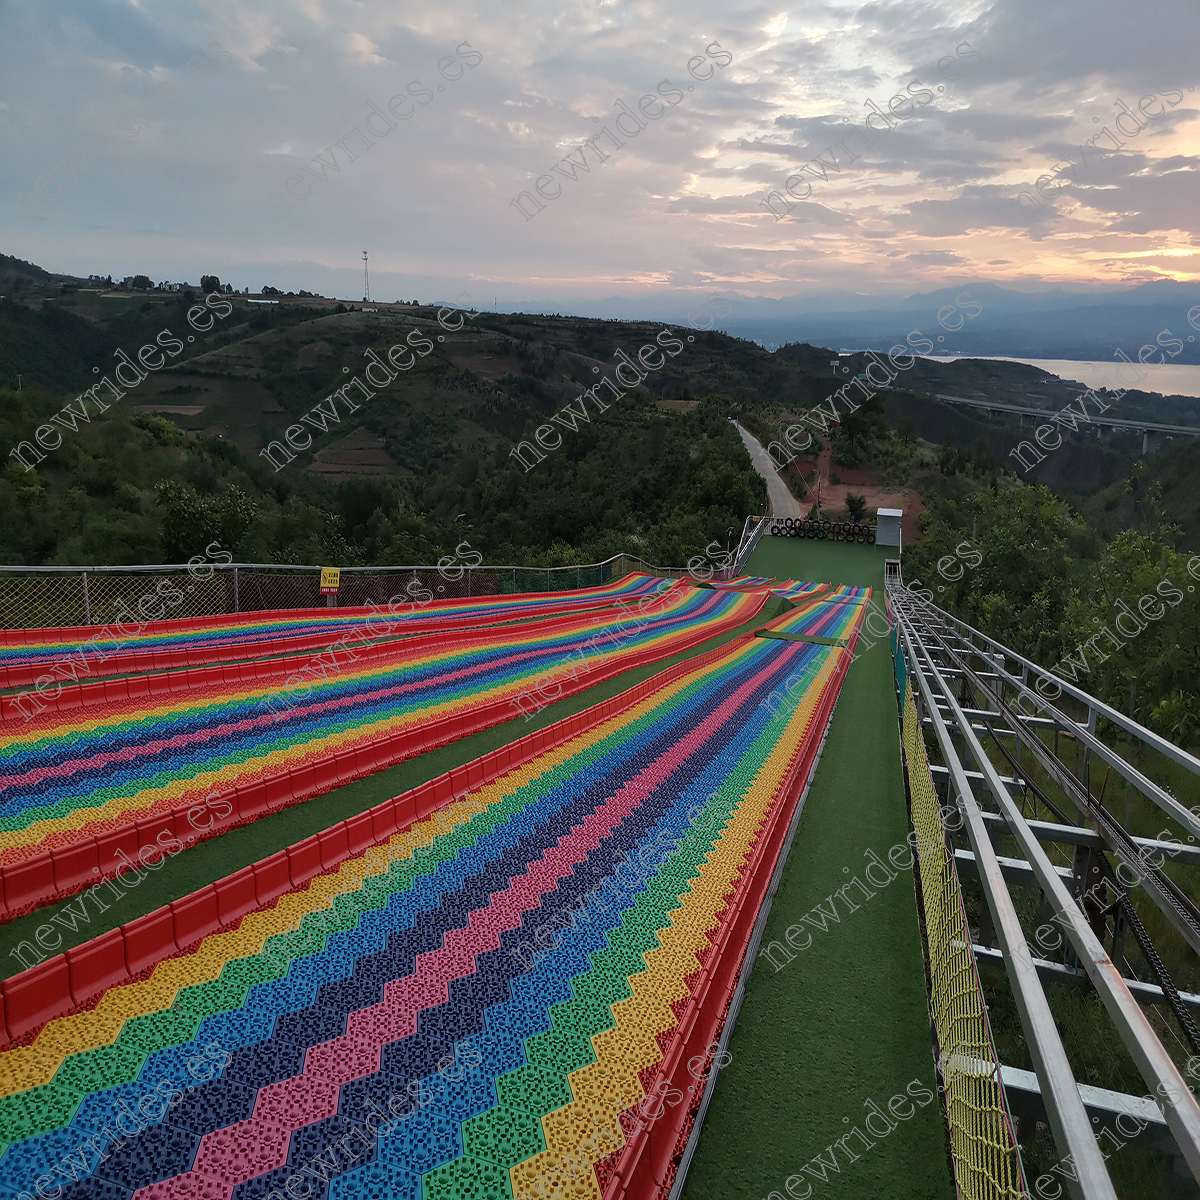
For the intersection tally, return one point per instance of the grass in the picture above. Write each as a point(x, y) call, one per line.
point(846, 1021)
point(819, 561)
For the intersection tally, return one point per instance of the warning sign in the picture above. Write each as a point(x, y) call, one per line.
point(329, 580)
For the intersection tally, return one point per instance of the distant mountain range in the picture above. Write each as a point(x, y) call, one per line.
point(13, 268)
point(1084, 325)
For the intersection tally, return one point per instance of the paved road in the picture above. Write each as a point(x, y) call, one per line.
point(783, 503)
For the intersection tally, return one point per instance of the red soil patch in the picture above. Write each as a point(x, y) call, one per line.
point(863, 483)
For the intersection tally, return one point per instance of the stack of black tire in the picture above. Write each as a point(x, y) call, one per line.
point(839, 531)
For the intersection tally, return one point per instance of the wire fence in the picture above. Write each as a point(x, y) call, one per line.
point(986, 1162)
point(54, 597)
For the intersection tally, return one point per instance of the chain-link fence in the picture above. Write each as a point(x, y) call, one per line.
point(44, 597)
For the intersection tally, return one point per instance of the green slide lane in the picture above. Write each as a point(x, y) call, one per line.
point(845, 1020)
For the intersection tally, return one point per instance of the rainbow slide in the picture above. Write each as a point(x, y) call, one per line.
point(798, 589)
point(790, 589)
point(514, 997)
point(825, 616)
point(29, 654)
point(133, 779)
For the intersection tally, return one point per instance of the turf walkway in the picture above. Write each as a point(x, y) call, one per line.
point(846, 1020)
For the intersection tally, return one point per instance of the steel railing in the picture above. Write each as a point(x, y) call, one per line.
point(992, 731)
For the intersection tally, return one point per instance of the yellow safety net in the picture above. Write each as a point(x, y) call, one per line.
point(986, 1161)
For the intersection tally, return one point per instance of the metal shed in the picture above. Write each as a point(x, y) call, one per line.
point(887, 526)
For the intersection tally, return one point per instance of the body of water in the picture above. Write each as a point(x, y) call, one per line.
point(1171, 379)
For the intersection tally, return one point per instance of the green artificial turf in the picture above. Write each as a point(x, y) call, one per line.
point(845, 1020)
point(199, 865)
point(820, 561)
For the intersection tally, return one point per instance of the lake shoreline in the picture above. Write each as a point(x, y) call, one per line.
point(1174, 379)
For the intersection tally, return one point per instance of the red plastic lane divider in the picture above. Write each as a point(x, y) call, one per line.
point(72, 979)
point(53, 875)
point(646, 1166)
point(138, 685)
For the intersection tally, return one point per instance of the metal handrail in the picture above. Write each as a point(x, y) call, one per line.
point(1181, 1111)
point(748, 542)
point(1099, 707)
point(1067, 1116)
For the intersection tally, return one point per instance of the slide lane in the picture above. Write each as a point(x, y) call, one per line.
point(827, 615)
point(846, 1019)
point(27, 655)
point(79, 790)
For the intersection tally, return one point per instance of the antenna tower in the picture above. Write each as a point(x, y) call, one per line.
point(366, 281)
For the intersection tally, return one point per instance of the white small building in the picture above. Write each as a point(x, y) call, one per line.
point(887, 526)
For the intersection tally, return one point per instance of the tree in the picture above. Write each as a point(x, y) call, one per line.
point(949, 456)
point(209, 283)
point(141, 283)
point(192, 521)
point(856, 506)
point(907, 429)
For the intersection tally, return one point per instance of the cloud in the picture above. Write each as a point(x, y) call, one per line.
point(361, 50)
point(940, 258)
point(680, 200)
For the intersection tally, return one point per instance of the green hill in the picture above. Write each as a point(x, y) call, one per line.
point(419, 466)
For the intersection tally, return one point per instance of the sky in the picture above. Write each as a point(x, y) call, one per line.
point(162, 139)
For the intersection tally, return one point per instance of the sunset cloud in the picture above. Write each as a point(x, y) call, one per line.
point(678, 202)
